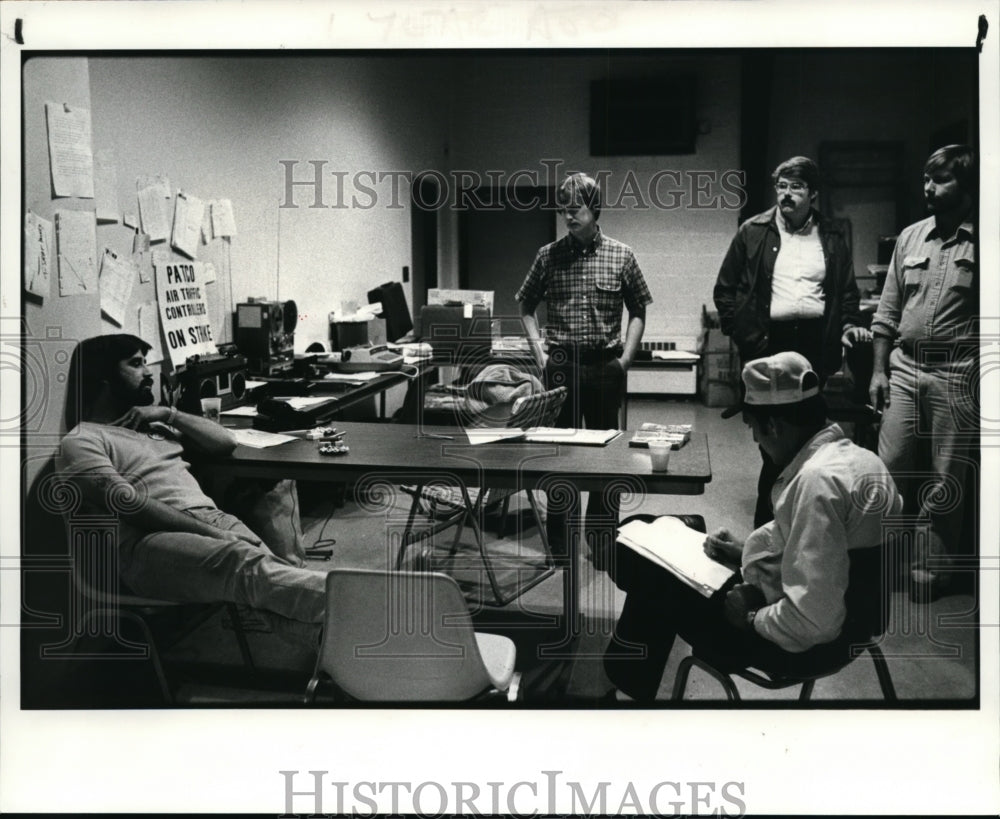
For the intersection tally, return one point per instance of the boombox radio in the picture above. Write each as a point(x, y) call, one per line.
point(206, 376)
point(265, 334)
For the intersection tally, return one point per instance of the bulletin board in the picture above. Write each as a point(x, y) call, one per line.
point(94, 242)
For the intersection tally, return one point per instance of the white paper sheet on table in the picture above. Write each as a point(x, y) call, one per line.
point(259, 439)
point(489, 435)
point(349, 378)
point(302, 401)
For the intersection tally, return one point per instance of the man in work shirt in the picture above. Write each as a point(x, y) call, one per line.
point(585, 279)
point(809, 582)
point(925, 363)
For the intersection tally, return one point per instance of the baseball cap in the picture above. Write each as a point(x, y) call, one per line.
point(783, 378)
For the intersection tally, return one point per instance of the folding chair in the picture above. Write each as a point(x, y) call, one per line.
point(459, 504)
point(867, 602)
point(407, 637)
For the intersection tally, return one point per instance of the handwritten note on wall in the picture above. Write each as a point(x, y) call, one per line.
point(118, 275)
point(152, 193)
point(38, 243)
point(180, 293)
point(70, 157)
point(223, 220)
point(76, 248)
point(189, 211)
point(106, 187)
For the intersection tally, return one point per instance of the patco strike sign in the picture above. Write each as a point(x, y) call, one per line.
point(180, 293)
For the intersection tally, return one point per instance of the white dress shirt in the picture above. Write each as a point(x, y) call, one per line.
point(799, 271)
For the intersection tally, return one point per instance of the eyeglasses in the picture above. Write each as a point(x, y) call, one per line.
point(794, 187)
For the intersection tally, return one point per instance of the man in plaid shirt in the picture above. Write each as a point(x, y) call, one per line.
point(585, 279)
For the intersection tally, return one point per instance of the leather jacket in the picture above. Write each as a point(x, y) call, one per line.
point(743, 288)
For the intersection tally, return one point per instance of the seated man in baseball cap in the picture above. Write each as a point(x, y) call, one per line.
point(789, 608)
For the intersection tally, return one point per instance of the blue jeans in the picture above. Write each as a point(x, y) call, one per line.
point(927, 442)
point(187, 568)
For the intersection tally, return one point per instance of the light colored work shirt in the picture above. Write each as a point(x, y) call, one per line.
point(930, 289)
point(799, 271)
point(830, 499)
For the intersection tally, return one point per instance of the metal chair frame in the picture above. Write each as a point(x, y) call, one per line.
point(541, 409)
point(772, 683)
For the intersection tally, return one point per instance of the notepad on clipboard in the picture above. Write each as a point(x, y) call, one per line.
point(679, 549)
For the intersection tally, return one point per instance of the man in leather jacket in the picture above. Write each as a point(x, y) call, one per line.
point(787, 284)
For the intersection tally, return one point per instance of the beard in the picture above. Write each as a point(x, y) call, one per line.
point(141, 396)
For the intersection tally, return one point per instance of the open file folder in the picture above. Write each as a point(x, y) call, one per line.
point(677, 548)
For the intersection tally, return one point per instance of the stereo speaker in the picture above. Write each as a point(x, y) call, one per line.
point(224, 376)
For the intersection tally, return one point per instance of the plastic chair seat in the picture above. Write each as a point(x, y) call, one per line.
point(407, 637)
point(499, 655)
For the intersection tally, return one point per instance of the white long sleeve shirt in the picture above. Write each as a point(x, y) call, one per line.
point(830, 499)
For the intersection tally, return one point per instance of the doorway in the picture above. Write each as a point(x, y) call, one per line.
point(498, 239)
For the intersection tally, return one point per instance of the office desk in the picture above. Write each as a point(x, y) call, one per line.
point(340, 395)
point(392, 453)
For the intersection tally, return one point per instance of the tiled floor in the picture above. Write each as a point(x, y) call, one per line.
point(931, 649)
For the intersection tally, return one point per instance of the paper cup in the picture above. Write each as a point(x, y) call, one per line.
point(211, 407)
point(659, 455)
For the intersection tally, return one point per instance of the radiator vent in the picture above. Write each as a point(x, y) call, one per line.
point(657, 344)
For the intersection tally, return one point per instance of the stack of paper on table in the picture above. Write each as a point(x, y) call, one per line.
point(677, 548)
point(556, 435)
point(543, 435)
point(682, 356)
point(675, 434)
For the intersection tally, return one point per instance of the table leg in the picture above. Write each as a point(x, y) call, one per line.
point(408, 531)
point(475, 512)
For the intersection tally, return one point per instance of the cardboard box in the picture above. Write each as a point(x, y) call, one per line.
point(717, 394)
point(722, 367)
point(713, 341)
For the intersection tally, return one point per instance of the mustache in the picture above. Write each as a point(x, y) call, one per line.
point(788, 201)
point(147, 382)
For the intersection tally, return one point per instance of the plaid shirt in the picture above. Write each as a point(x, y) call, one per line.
point(584, 289)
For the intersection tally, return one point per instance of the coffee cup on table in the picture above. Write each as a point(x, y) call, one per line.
point(211, 407)
point(659, 455)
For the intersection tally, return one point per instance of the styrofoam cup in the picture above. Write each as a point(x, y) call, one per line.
point(659, 455)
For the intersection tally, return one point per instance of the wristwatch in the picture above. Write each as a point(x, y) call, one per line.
point(750, 618)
